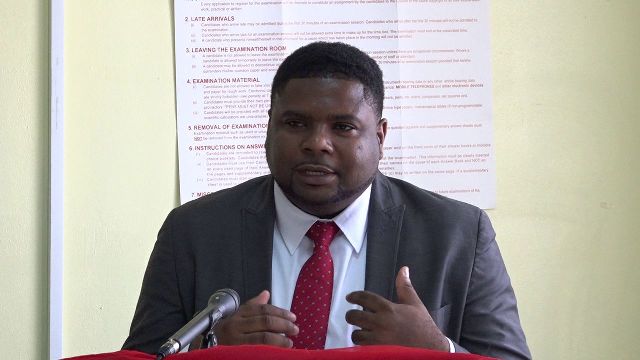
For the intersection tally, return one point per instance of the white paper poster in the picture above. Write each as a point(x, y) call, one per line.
point(436, 63)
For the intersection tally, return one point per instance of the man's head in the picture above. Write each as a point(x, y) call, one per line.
point(325, 134)
point(332, 60)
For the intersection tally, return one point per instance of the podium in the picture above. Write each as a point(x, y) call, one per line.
point(262, 352)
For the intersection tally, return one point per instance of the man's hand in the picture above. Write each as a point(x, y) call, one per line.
point(407, 323)
point(258, 322)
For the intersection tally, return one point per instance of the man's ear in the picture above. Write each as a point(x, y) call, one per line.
point(381, 133)
point(266, 139)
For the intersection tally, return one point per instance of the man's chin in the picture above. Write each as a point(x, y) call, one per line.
point(311, 196)
point(317, 202)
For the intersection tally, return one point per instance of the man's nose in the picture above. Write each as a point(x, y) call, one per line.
point(318, 139)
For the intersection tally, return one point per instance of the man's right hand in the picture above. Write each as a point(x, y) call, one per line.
point(257, 322)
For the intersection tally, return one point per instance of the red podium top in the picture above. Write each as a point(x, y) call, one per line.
point(261, 352)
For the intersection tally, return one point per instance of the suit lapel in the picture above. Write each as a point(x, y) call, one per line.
point(257, 240)
point(383, 237)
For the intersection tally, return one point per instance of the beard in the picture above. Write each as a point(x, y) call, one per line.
point(341, 194)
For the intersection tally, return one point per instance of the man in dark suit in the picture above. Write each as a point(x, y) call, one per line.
point(324, 141)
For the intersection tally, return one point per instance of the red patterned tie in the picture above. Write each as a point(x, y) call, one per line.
point(312, 297)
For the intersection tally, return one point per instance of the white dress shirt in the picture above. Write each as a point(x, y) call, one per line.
point(291, 249)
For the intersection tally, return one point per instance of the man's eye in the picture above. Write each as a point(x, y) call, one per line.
point(344, 127)
point(294, 123)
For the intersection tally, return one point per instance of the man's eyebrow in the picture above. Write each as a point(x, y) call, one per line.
point(305, 116)
point(297, 114)
point(345, 117)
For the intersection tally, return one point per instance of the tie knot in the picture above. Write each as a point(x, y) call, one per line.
point(322, 233)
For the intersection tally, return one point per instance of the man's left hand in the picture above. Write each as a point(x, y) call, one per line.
point(383, 322)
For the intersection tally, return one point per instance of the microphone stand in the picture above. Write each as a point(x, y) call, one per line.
point(210, 339)
point(221, 304)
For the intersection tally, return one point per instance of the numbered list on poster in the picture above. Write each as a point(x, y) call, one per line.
point(436, 63)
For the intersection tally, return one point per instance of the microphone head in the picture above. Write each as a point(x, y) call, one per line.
point(227, 301)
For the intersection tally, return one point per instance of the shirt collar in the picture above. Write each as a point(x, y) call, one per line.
point(293, 223)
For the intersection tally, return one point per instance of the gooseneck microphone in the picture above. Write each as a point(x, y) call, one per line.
point(222, 303)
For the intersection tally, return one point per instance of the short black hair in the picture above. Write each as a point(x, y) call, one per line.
point(333, 60)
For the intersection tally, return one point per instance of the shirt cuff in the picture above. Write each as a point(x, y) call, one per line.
point(452, 348)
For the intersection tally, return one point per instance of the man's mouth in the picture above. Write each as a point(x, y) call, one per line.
point(314, 169)
point(315, 174)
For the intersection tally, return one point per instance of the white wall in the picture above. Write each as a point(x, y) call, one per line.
point(566, 91)
point(24, 109)
point(120, 161)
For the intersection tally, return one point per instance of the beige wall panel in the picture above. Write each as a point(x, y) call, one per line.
point(24, 111)
point(120, 157)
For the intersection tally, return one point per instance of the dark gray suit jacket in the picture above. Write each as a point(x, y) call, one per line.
point(224, 240)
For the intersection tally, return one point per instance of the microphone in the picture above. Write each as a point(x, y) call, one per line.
point(222, 303)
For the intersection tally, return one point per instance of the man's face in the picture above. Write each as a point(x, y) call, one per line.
point(324, 142)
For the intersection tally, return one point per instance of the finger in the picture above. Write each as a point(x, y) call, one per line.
point(268, 338)
point(406, 293)
point(268, 323)
point(250, 310)
point(362, 319)
point(369, 301)
point(262, 298)
point(363, 337)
